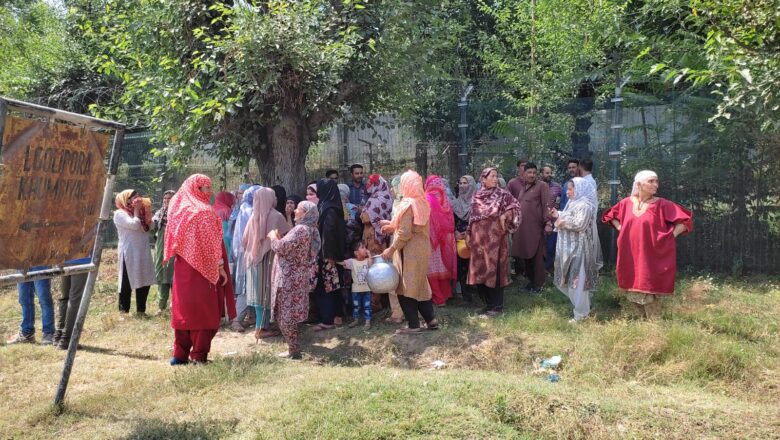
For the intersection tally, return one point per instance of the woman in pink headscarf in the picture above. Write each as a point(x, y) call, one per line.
point(260, 258)
point(411, 251)
point(202, 290)
point(442, 266)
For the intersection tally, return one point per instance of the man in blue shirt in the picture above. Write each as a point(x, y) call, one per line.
point(357, 189)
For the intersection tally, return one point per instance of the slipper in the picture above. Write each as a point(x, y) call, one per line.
point(321, 327)
point(408, 331)
point(433, 325)
point(392, 320)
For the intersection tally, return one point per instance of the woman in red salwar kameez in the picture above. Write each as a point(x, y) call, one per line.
point(202, 291)
point(646, 248)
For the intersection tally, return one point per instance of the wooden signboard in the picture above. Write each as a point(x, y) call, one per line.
point(51, 187)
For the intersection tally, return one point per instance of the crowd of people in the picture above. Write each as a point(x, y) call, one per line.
point(265, 259)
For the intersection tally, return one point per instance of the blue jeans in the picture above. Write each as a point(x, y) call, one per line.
point(549, 258)
point(27, 292)
point(361, 299)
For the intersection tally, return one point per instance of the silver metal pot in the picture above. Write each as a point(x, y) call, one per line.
point(382, 276)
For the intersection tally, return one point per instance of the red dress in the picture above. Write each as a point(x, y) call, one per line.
point(646, 246)
point(196, 304)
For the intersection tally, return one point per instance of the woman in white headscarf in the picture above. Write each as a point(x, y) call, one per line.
point(578, 251)
point(648, 227)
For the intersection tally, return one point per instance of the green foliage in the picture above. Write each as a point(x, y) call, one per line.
point(35, 48)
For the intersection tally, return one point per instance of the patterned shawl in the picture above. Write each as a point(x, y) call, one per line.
point(491, 202)
point(379, 205)
point(194, 231)
point(442, 220)
point(310, 219)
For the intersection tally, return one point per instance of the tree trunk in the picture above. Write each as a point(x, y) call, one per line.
point(281, 158)
point(583, 104)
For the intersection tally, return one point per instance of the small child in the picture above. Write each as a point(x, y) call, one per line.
point(361, 293)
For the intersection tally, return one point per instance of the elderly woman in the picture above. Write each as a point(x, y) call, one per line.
point(202, 291)
point(294, 273)
point(578, 250)
point(442, 266)
point(411, 251)
point(494, 214)
point(648, 227)
point(136, 269)
point(259, 258)
point(461, 207)
point(163, 272)
point(330, 302)
point(239, 257)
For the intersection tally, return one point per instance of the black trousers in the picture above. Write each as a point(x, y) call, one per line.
point(463, 275)
point(126, 292)
point(493, 296)
point(71, 291)
point(411, 306)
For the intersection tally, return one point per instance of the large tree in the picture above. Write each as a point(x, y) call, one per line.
point(253, 79)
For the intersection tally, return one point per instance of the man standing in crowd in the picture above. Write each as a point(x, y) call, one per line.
point(357, 189)
point(586, 169)
point(573, 170)
point(332, 175)
point(555, 198)
point(528, 243)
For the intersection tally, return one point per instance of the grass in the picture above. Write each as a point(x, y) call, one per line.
point(708, 369)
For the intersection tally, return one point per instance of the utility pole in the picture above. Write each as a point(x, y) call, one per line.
point(462, 126)
point(614, 155)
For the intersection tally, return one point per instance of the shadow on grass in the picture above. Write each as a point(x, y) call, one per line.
point(113, 352)
point(162, 429)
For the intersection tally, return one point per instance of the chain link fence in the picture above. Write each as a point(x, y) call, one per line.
point(728, 178)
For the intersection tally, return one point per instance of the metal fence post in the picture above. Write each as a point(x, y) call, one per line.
point(614, 156)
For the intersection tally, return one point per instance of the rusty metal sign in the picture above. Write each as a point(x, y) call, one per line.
point(51, 187)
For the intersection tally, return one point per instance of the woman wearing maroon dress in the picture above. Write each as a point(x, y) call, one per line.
point(647, 250)
point(202, 290)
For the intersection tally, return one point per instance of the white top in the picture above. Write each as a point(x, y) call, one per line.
point(359, 274)
point(134, 249)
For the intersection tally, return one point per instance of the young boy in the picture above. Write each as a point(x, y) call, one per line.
point(361, 293)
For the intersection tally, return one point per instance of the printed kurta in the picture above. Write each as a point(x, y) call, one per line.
point(293, 274)
point(534, 203)
point(647, 248)
point(489, 247)
point(412, 252)
point(575, 248)
point(134, 251)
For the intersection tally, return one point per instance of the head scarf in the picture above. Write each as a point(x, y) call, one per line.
point(641, 177)
point(194, 231)
point(265, 218)
point(161, 216)
point(313, 187)
point(310, 220)
point(501, 182)
point(395, 182)
point(491, 202)
point(281, 197)
point(244, 214)
point(584, 192)
point(237, 201)
point(122, 200)
point(411, 188)
point(223, 205)
point(348, 207)
point(328, 192)
point(442, 220)
point(379, 205)
point(462, 205)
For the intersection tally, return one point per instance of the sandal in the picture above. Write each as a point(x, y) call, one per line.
point(321, 327)
point(262, 333)
point(408, 331)
point(433, 325)
point(392, 320)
